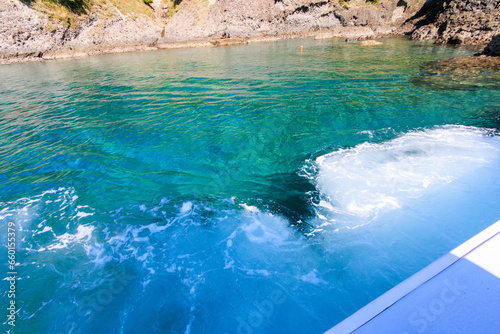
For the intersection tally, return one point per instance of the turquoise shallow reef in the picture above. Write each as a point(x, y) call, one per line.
point(243, 189)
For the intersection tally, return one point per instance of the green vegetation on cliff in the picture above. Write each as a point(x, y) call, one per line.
point(70, 12)
point(63, 10)
point(74, 6)
point(84, 6)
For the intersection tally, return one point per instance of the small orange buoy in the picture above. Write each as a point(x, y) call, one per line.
point(301, 48)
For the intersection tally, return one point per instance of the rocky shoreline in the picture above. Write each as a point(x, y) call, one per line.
point(27, 34)
point(196, 43)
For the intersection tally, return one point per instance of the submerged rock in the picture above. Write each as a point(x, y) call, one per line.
point(461, 73)
point(370, 43)
point(480, 70)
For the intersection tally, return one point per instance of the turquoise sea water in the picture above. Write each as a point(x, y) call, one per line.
point(244, 189)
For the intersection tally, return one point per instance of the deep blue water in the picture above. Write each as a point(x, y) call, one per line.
point(243, 189)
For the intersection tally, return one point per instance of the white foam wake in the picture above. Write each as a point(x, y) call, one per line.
point(369, 178)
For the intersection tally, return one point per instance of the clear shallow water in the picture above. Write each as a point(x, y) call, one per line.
point(248, 189)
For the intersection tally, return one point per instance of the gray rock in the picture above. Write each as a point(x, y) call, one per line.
point(24, 31)
point(425, 32)
point(27, 33)
point(243, 17)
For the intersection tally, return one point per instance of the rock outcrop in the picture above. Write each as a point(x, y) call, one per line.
point(457, 21)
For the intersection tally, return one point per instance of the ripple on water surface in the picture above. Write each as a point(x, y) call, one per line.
point(236, 189)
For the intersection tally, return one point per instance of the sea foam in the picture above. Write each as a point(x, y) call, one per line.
point(368, 179)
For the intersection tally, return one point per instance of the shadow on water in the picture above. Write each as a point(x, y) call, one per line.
point(290, 195)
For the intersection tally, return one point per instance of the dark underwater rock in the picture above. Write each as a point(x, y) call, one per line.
point(461, 73)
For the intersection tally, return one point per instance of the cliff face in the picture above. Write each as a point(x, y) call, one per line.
point(458, 21)
point(199, 18)
point(26, 32)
